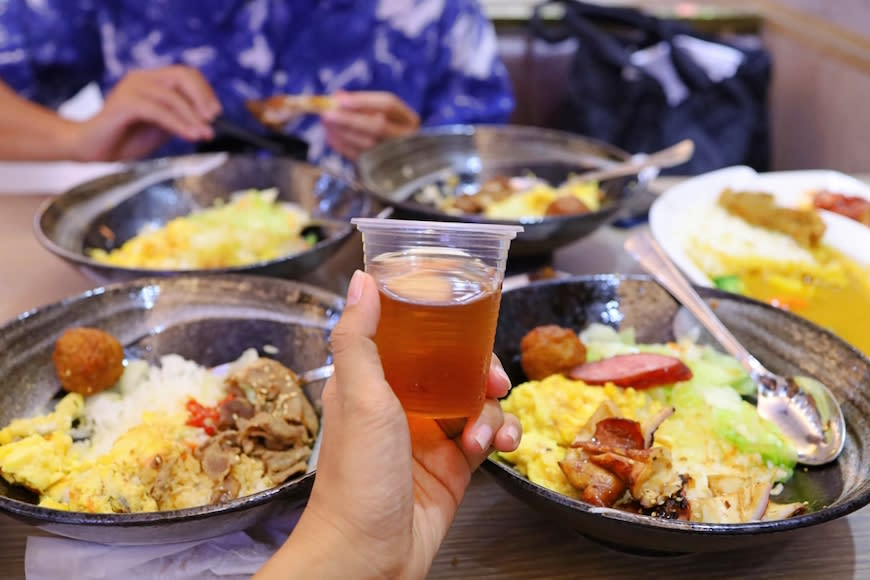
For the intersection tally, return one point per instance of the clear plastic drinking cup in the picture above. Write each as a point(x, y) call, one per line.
point(440, 289)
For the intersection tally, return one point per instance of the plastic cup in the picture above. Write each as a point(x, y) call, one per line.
point(440, 289)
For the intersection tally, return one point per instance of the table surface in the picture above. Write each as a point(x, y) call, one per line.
point(494, 534)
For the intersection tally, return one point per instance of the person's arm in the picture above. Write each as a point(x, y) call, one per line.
point(144, 110)
point(48, 52)
point(31, 132)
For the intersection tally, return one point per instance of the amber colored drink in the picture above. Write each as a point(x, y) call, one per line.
point(436, 332)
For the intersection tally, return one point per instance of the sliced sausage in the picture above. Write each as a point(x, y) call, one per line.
point(641, 371)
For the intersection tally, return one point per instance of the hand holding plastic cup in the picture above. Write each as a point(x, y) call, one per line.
point(440, 289)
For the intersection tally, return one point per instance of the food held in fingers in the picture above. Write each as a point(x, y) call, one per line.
point(278, 110)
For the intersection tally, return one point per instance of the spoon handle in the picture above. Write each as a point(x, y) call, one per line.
point(652, 257)
point(669, 157)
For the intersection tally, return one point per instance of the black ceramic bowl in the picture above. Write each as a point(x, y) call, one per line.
point(154, 192)
point(395, 170)
point(783, 342)
point(208, 319)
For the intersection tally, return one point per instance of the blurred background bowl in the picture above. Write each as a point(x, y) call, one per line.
point(208, 319)
point(150, 193)
point(783, 342)
point(395, 170)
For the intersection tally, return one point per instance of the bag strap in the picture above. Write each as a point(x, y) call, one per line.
point(575, 25)
point(576, 12)
point(583, 21)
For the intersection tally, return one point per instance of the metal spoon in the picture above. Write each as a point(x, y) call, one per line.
point(803, 408)
point(668, 157)
point(468, 181)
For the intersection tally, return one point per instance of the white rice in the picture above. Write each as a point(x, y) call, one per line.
point(162, 389)
point(710, 232)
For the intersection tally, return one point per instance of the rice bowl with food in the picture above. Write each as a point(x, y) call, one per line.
point(682, 446)
point(165, 437)
point(764, 236)
point(252, 227)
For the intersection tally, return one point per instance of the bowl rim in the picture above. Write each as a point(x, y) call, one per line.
point(470, 130)
point(503, 472)
point(45, 515)
point(148, 165)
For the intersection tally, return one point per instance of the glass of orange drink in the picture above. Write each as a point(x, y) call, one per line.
point(440, 289)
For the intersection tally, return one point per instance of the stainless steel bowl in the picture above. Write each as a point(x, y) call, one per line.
point(394, 170)
point(208, 319)
point(154, 192)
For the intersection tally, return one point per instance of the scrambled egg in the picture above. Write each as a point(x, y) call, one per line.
point(251, 228)
point(149, 468)
point(552, 412)
point(534, 201)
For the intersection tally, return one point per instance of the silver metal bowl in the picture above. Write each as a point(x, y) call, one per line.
point(208, 319)
point(154, 192)
point(395, 170)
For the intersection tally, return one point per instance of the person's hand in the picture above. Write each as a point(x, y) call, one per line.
point(144, 110)
point(387, 485)
point(360, 120)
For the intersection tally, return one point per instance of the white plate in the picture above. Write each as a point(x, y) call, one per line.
point(789, 188)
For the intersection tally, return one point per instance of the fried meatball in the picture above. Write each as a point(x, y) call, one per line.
point(88, 360)
point(549, 350)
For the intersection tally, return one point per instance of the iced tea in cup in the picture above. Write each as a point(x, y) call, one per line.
point(440, 289)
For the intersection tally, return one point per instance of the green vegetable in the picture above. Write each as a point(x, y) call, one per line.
point(738, 422)
point(603, 341)
point(311, 239)
point(715, 368)
point(729, 283)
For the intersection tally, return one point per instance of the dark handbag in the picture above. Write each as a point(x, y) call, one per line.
point(613, 99)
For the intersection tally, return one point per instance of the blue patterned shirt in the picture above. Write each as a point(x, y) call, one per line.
point(439, 56)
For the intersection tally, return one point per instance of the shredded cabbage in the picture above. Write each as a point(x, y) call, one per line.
point(253, 227)
point(715, 389)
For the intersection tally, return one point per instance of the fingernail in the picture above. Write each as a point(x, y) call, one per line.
point(513, 434)
point(499, 370)
point(483, 436)
point(355, 289)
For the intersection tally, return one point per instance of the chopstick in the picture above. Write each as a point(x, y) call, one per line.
point(225, 127)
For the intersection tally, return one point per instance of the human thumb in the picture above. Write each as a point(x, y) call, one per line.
point(358, 370)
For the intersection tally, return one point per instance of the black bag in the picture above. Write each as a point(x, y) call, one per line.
point(611, 99)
